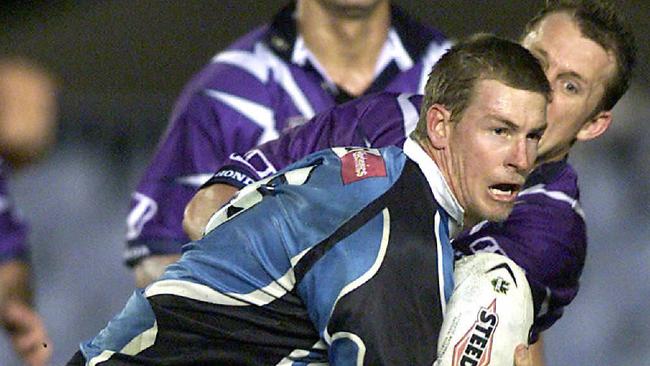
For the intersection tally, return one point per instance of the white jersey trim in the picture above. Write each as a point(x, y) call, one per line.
point(410, 114)
point(282, 75)
point(556, 195)
point(248, 61)
point(433, 54)
point(260, 114)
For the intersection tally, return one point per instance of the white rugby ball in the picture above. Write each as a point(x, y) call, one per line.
point(488, 315)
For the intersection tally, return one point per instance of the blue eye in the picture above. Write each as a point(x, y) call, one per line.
point(535, 136)
point(499, 131)
point(571, 87)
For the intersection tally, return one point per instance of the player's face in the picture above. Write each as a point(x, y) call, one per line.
point(493, 148)
point(578, 70)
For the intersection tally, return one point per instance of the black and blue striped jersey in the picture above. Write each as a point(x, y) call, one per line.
point(343, 258)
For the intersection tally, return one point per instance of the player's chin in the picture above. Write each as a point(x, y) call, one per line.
point(498, 211)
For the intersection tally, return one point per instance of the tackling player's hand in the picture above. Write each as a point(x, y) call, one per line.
point(27, 333)
point(203, 205)
point(522, 356)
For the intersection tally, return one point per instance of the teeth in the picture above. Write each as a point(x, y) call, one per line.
point(500, 192)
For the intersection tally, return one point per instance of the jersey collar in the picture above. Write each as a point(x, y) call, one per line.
point(407, 41)
point(438, 185)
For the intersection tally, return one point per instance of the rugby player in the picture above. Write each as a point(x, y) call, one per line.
point(345, 257)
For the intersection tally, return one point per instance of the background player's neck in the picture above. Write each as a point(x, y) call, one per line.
point(346, 46)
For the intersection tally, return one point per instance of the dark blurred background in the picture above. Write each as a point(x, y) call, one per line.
point(120, 65)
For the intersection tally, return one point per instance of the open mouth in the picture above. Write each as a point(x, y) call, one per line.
point(505, 191)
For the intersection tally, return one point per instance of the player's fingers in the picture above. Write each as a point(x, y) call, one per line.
point(33, 348)
point(522, 356)
point(39, 356)
point(25, 342)
point(17, 314)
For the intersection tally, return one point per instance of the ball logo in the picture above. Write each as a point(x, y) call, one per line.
point(475, 348)
point(360, 164)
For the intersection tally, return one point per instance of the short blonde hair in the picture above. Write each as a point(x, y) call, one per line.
point(481, 57)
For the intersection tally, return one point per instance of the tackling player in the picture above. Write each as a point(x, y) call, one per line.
point(344, 258)
point(588, 54)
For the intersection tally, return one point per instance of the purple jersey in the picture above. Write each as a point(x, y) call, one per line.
point(545, 234)
point(13, 232)
point(265, 82)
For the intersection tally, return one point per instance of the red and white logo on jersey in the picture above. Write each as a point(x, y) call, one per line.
point(360, 164)
point(475, 348)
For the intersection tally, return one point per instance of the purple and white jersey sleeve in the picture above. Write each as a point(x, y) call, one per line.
point(13, 231)
point(545, 234)
point(211, 120)
point(380, 120)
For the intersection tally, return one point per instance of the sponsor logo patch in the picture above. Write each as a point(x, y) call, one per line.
point(360, 164)
point(475, 348)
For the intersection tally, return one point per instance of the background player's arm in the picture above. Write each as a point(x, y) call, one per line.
point(23, 325)
point(198, 140)
point(17, 315)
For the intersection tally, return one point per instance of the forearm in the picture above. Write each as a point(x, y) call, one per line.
point(151, 268)
point(537, 352)
point(15, 282)
point(24, 326)
point(201, 207)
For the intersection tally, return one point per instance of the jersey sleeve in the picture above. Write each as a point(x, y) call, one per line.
point(376, 120)
point(211, 120)
point(13, 231)
point(545, 235)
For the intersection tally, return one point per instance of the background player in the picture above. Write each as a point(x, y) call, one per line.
point(588, 54)
point(313, 55)
point(28, 112)
point(331, 281)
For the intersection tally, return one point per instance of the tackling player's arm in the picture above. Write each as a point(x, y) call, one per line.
point(201, 207)
point(377, 120)
point(264, 160)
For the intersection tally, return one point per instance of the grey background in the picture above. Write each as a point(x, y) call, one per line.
point(121, 63)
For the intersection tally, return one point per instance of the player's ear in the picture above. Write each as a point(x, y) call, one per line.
point(595, 126)
point(438, 119)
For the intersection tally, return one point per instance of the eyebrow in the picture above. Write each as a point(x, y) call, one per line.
point(541, 129)
point(572, 74)
point(543, 59)
point(516, 127)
